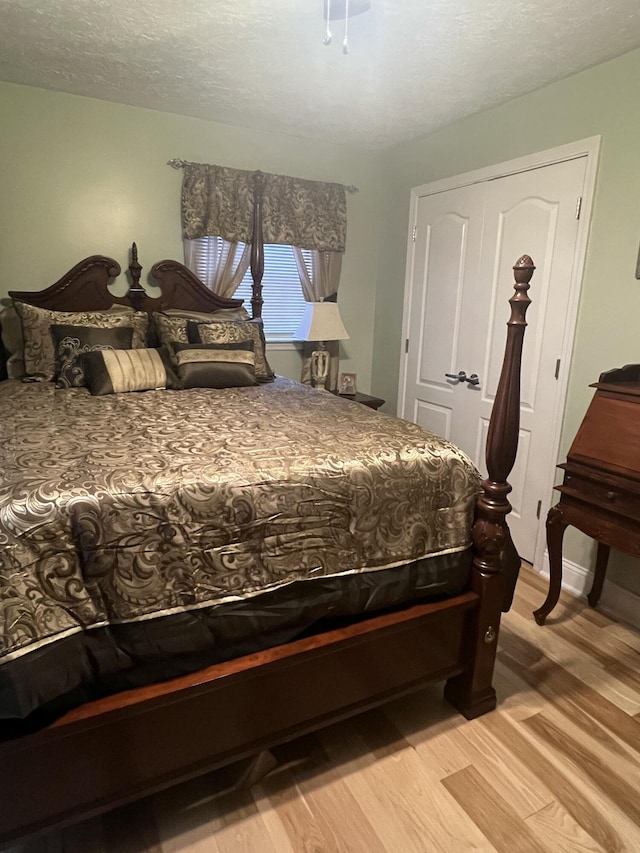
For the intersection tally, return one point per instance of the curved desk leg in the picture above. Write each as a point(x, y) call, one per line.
point(598, 578)
point(556, 526)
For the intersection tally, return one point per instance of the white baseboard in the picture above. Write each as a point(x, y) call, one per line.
point(615, 601)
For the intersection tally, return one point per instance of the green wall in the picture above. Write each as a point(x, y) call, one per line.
point(80, 177)
point(601, 101)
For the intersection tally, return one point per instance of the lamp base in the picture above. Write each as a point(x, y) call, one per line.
point(320, 367)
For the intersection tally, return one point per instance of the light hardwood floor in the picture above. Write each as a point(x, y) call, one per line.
point(555, 768)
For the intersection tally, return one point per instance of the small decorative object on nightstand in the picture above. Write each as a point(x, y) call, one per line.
point(365, 399)
point(347, 384)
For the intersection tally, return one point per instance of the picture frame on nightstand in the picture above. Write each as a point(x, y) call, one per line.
point(347, 384)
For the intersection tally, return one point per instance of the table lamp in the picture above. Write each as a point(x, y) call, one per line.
point(321, 322)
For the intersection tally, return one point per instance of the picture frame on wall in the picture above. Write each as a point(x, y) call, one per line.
point(347, 384)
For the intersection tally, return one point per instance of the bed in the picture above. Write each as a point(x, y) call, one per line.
point(190, 575)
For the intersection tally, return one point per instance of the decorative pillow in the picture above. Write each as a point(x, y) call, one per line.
point(170, 329)
point(171, 325)
point(13, 341)
point(74, 341)
point(39, 351)
point(226, 365)
point(226, 332)
point(238, 315)
point(116, 371)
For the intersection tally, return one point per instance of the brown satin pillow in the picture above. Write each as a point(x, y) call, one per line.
point(228, 332)
point(225, 365)
point(74, 341)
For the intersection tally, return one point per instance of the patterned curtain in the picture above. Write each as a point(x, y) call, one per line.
point(308, 214)
point(218, 201)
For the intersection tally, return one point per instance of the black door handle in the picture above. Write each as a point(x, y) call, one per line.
point(474, 379)
point(461, 376)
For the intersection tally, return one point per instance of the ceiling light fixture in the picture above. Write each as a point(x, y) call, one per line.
point(342, 9)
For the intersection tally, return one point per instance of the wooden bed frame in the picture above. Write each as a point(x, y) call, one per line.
point(108, 752)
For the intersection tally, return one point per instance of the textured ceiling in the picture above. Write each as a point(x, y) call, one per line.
point(413, 65)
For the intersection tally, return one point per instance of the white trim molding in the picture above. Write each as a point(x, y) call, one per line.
point(617, 602)
point(589, 147)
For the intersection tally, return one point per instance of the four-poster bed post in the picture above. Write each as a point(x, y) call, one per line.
point(257, 247)
point(496, 562)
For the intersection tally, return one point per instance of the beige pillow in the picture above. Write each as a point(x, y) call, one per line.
point(39, 351)
point(119, 371)
point(171, 325)
point(237, 314)
point(13, 341)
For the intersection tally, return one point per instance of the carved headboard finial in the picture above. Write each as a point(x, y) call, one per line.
point(135, 269)
point(136, 291)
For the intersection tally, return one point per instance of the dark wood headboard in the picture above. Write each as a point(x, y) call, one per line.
point(86, 288)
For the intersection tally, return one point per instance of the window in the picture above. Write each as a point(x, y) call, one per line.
point(284, 301)
point(283, 298)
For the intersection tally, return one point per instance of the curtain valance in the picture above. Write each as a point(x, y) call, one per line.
point(218, 201)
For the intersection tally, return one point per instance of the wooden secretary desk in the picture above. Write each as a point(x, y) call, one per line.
point(600, 494)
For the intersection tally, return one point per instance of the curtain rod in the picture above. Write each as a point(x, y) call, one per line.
point(177, 163)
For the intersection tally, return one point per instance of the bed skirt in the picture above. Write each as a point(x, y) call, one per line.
point(41, 685)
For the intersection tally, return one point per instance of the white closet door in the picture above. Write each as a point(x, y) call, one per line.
point(466, 243)
point(446, 255)
point(532, 212)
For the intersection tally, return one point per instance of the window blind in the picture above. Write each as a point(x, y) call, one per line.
point(281, 291)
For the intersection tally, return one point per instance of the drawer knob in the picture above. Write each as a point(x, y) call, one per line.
point(611, 496)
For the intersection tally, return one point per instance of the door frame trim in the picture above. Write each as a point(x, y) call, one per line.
point(589, 148)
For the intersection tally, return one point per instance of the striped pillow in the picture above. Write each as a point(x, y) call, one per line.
point(119, 371)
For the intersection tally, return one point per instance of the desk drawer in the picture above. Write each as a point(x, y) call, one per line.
point(615, 499)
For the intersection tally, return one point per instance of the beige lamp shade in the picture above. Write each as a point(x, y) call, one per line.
point(321, 321)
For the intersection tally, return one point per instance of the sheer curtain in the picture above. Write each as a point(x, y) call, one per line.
point(219, 263)
point(323, 279)
point(319, 284)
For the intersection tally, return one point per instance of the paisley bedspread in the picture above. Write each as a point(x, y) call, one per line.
point(122, 508)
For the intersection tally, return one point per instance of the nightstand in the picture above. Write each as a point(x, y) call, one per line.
point(365, 399)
